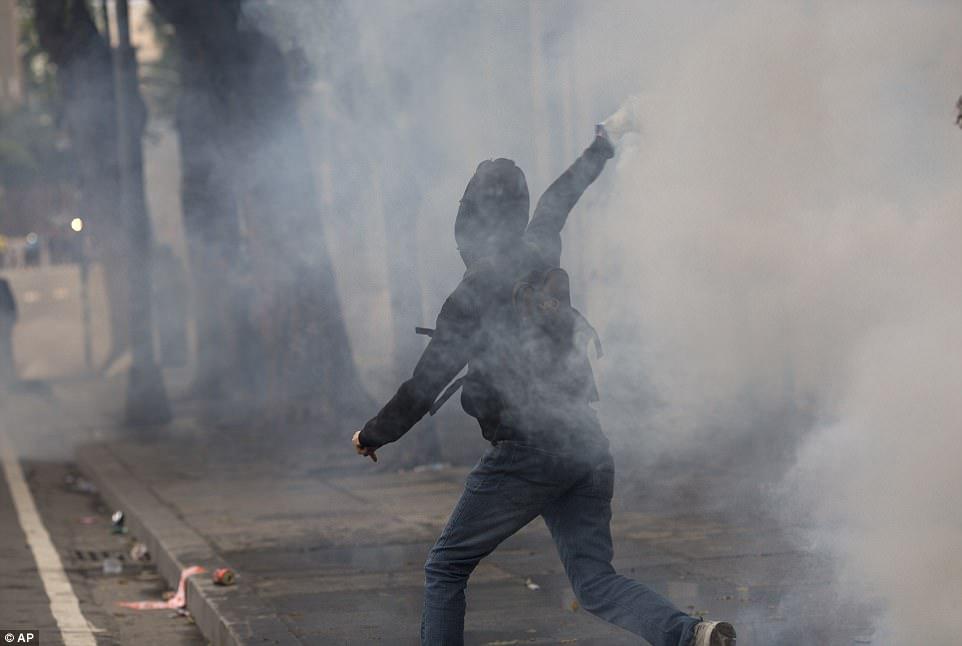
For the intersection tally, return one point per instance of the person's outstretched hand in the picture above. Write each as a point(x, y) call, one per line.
point(362, 450)
point(626, 119)
point(602, 142)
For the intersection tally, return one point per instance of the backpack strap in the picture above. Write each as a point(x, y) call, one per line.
point(452, 387)
point(446, 395)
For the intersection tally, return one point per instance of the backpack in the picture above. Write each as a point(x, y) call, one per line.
point(543, 349)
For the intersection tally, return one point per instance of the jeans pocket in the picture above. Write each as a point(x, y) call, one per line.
point(531, 478)
point(488, 472)
point(603, 479)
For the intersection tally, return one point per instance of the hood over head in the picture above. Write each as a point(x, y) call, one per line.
point(493, 211)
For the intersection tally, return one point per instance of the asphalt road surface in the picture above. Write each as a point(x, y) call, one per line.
point(51, 510)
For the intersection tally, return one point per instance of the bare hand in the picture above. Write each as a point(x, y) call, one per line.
point(362, 450)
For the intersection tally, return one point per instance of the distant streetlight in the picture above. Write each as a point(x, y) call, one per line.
point(77, 225)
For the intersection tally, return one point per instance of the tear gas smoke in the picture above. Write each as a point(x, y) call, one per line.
point(787, 242)
point(773, 263)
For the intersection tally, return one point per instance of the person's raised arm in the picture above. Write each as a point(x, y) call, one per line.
point(551, 213)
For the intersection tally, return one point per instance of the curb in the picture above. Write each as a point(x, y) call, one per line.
point(226, 616)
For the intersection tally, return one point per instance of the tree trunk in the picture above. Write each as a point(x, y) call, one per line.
point(146, 396)
point(281, 209)
point(211, 221)
point(85, 76)
point(254, 219)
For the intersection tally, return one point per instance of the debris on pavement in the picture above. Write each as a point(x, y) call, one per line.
point(112, 566)
point(433, 466)
point(531, 585)
point(78, 484)
point(117, 523)
point(179, 600)
point(224, 576)
point(87, 520)
point(139, 552)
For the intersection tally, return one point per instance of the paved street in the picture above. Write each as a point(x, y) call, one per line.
point(329, 548)
point(334, 548)
point(79, 527)
point(23, 603)
point(42, 424)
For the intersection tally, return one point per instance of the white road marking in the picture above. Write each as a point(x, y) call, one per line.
point(64, 605)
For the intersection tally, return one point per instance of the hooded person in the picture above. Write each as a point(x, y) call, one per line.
point(493, 212)
point(548, 454)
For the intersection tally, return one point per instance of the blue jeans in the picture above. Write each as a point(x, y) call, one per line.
point(509, 487)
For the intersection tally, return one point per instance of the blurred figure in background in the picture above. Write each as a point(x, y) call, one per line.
point(8, 317)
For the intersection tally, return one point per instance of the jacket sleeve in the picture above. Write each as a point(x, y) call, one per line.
point(553, 208)
point(447, 353)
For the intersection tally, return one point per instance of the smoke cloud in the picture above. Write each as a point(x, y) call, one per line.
point(785, 237)
point(772, 262)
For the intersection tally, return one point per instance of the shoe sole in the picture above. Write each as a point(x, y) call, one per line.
point(723, 634)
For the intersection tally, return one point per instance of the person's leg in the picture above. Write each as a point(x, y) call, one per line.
point(8, 372)
point(483, 518)
point(579, 522)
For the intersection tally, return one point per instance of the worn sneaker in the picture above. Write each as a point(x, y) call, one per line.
point(714, 633)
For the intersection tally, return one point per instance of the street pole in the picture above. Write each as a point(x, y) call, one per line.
point(146, 395)
point(85, 300)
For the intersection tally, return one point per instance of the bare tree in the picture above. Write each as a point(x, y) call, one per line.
point(207, 67)
point(85, 77)
point(252, 211)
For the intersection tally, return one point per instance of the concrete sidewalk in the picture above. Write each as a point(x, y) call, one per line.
point(331, 552)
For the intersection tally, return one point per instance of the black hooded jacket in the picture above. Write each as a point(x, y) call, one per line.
point(469, 320)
